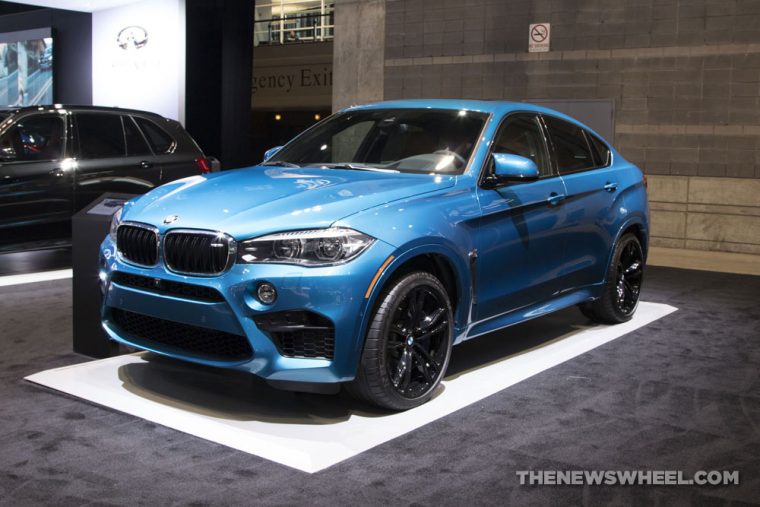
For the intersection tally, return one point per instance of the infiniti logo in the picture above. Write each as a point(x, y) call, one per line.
point(171, 219)
point(132, 37)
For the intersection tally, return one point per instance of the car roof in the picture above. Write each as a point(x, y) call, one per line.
point(43, 107)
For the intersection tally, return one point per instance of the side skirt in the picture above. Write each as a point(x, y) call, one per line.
point(528, 312)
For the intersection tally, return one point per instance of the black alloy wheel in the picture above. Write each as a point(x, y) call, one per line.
point(416, 347)
point(408, 344)
point(619, 296)
point(630, 270)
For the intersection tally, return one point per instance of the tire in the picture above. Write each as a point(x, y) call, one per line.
point(411, 329)
point(622, 287)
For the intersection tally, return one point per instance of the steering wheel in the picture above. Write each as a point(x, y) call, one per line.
point(454, 154)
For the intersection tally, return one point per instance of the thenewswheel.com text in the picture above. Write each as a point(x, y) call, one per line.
point(627, 478)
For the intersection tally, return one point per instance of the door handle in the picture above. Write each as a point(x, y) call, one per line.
point(145, 164)
point(554, 198)
point(610, 187)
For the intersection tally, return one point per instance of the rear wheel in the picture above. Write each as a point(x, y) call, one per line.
point(620, 294)
point(408, 344)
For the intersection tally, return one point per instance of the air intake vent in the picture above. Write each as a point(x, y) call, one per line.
point(176, 338)
point(137, 244)
point(299, 333)
point(198, 253)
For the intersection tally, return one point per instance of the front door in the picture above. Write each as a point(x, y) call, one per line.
point(36, 180)
point(519, 245)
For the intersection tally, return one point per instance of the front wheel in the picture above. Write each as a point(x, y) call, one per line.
point(408, 344)
point(620, 293)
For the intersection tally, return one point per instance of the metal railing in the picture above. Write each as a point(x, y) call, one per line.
point(295, 29)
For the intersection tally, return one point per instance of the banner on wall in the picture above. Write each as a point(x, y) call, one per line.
point(138, 57)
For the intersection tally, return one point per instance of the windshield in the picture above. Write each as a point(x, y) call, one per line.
point(405, 140)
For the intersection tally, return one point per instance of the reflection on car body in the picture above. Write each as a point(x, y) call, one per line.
point(56, 160)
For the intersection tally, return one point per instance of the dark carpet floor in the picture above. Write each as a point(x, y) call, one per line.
point(680, 394)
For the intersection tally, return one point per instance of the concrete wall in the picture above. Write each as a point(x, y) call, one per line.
point(358, 52)
point(684, 75)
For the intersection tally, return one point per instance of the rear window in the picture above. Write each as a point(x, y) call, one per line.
point(602, 155)
point(571, 149)
point(136, 145)
point(159, 139)
point(100, 135)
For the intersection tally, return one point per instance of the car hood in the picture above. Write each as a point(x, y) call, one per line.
point(259, 200)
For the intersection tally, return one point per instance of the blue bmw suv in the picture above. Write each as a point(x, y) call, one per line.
point(359, 253)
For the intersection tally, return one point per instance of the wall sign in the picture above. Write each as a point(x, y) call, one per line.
point(138, 57)
point(539, 35)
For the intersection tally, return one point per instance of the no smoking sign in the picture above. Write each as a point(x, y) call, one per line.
point(539, 35)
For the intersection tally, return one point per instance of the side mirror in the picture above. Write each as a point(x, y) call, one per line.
point(271, 152)
point(509, 167)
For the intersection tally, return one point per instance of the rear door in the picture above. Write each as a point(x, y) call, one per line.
point(113, 156)
point(36, 182)
point(520, 234)
point(175, 151)
point(583, 162)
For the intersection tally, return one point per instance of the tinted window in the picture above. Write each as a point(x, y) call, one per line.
point(522, 135)
point(136, 145)
point(159, 140)
point(100, 135)
point(36, 138)
point(404, 140)
point(570, 147)
point(602, 153)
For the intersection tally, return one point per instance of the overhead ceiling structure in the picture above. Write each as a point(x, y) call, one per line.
point(78, 5)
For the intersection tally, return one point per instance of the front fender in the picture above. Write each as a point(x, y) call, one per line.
point(462, 274)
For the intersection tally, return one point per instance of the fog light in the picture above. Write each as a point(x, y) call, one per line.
point(266, 293)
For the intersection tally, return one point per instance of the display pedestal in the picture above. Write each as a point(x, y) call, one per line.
point(89, 227)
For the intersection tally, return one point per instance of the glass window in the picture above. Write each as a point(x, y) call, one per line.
point(405, 140)
point(602, 155)
point(570, 147)
point(522, 135)
point(100, 135)
point(35, 138)
point(159, 140)
point(136, 145)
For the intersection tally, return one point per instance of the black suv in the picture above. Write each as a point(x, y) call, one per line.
point(55, 160)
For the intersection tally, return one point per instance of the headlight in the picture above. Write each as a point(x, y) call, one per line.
point(314, 247)
point(115, 221)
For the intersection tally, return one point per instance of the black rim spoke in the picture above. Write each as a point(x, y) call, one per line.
point(437, 329)
point(629, 276)
point(417, 342)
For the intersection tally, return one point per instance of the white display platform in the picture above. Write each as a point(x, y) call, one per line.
point(312, 432)
point(45, 276)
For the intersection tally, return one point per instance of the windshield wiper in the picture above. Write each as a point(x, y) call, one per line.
point(357, 167)
point(280, 163)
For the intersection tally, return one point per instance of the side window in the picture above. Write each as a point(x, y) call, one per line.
point(100, 135)
point(159, 140)
point(602, 155)
point(570, 147)
point(522, 135)
point(35, 138)
point(136, 145)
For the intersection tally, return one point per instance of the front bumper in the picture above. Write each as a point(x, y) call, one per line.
point(335, 293)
